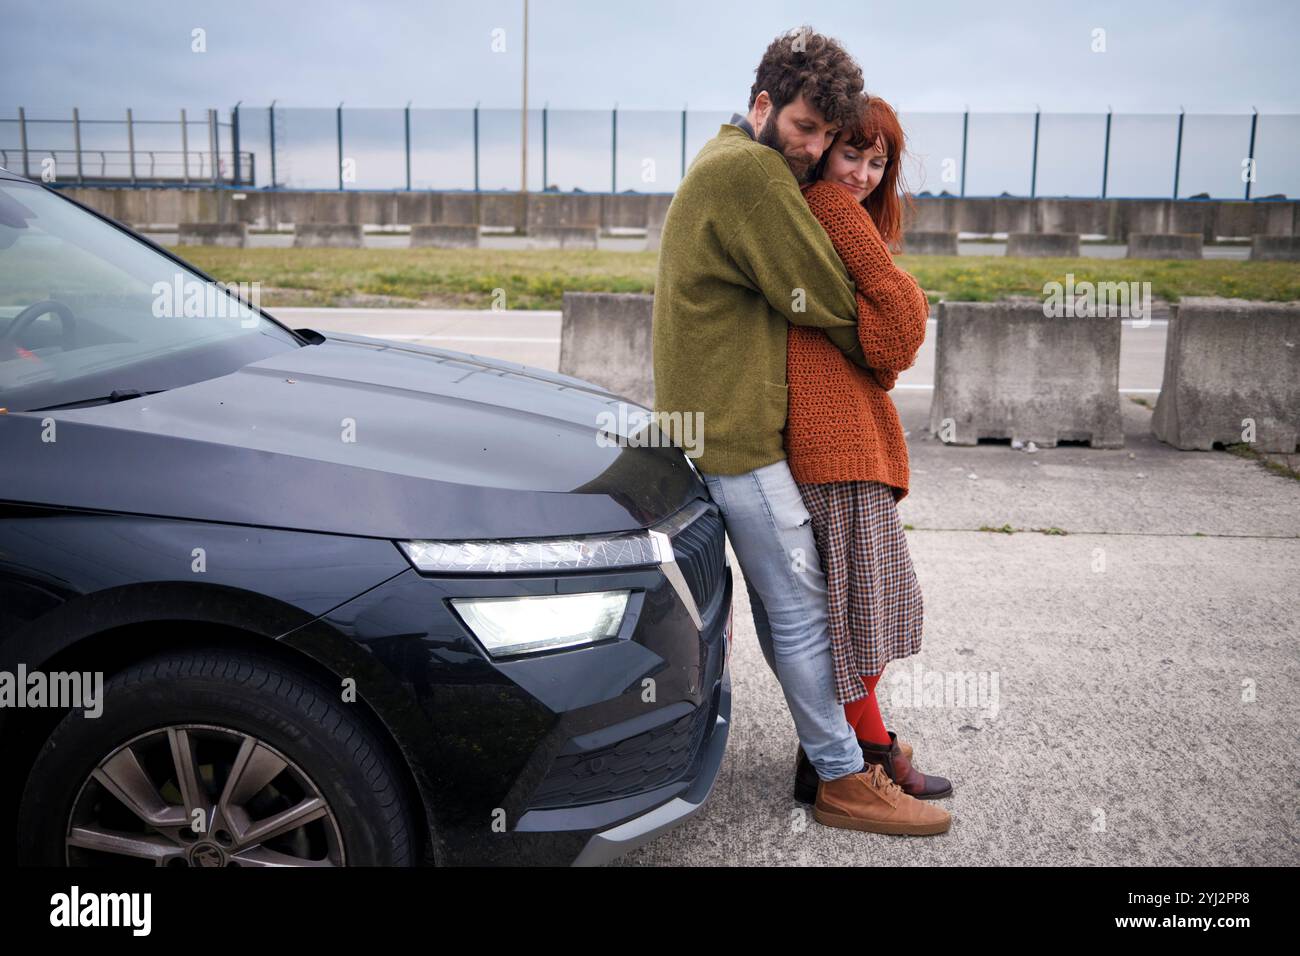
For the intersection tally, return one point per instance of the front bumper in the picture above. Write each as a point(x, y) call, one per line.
point(614, 842)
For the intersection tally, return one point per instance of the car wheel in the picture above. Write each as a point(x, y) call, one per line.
point(215, 758)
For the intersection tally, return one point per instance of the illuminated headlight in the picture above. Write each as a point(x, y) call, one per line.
point(507, 626)
point(592, 553)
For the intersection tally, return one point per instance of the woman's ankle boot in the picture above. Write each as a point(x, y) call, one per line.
point(900, 770)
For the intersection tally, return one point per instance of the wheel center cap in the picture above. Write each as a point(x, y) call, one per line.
point(207, 854)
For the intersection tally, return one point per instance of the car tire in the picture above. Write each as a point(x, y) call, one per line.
point(203, 758)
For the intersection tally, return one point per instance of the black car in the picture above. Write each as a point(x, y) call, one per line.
point(351, 602)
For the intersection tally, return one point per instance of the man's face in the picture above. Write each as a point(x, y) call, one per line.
point(798, 132)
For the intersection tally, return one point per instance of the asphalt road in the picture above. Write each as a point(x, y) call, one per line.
point(533, 338)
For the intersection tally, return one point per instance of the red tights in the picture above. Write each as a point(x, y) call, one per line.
point(864, 715)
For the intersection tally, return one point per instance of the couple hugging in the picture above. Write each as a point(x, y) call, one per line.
point(780, 316)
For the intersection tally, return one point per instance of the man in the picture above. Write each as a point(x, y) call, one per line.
point(740, 258)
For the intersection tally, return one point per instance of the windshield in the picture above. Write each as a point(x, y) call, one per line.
point(87, 309)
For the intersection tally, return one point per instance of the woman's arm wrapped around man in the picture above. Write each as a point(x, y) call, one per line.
point(892, 307)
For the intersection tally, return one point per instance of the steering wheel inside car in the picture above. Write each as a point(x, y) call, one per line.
point(9, 338)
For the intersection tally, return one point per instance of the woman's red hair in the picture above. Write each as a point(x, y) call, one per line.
point(878, 125)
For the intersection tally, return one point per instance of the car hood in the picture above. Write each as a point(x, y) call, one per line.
point(356, 436)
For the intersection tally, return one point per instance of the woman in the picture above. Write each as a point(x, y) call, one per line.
point(845, 443)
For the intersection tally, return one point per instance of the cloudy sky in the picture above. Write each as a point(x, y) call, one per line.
point(105, 55)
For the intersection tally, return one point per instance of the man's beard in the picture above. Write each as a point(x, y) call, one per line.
point(770, 137)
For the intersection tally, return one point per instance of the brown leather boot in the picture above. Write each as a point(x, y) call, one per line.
point(805, 777)
point(900, 770)
point(871, 801)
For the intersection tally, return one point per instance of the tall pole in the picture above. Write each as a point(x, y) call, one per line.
point(76, 137)
point(234, 143)
point(271, 115)
point(1178, 151)
point(1033, 176)
point(523, 115)
point(683, 142)
point(1105, 156)
point(214, 149)
point(338, 125)
point(965, 128)
point(130, 143)
point(22, 140)
point(1250, 156)
point(407, 118)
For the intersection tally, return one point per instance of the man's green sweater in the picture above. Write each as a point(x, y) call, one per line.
point(741, 256)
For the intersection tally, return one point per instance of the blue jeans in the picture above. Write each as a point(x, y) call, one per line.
point(771, 533)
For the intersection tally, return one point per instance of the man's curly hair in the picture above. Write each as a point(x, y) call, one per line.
point(804, 61)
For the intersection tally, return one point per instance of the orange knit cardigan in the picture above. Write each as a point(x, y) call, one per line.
point(841, 424)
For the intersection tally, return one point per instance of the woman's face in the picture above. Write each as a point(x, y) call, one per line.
point(859, 170)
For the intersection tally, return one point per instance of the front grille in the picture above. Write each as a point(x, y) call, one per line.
point(700, 550)
point(652, 759)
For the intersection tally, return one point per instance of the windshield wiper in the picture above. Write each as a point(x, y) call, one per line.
point(116, 395)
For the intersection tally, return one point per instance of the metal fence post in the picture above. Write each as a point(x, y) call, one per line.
point(545, 174)
point(271, 111)
point(683, 142)
point(130, 143)
point(407, 118)
point(185, 150)
point(76, 141)
point(234, 143)
point(1178, 151)
point(965, 128)
point(475, 147)
point(613, 152)
point(22, 139)
point(1105, 156)
point(1033, 175)
point(1250, 156)
point(213, 146)
point(338, 122)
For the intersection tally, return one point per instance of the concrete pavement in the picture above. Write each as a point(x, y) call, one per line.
point(1147, 669)
point(1136, 680)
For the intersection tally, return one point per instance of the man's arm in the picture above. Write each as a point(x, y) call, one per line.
point(786, 253)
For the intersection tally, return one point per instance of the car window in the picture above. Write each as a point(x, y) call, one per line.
point(86, 308)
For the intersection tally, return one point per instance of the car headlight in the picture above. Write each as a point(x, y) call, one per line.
point(591, 553)
point(507, 626)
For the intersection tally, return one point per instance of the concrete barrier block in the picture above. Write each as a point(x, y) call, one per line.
point(976, 215)
point(502, 211)
point(1275, 248)
point(924, 243)
point(339, 208)
point(426, 235)
point(574, 210)
point(562, 237)
point(414, 207)
point(1012, 215)
point(1165, 245)
point(1004, 370)
point(458, 209)
point(623, 211)
point(1041, 245)
point(326, 235)
point(231, 234)
point(606, 338)
point(1230, 363)
point(932, 214)
point(1192, 215)
point(1081, 216)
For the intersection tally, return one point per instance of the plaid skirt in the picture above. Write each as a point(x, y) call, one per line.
point(874, 599)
